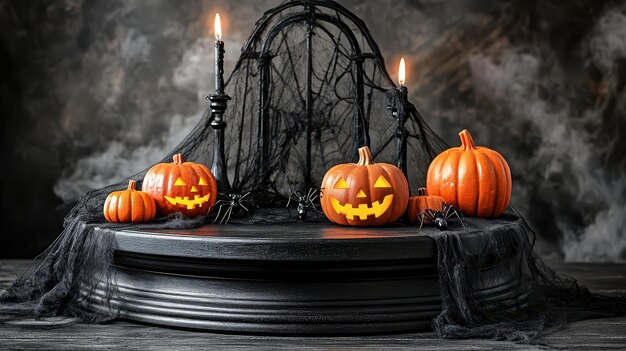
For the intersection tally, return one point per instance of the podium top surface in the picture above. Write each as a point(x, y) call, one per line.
point(305, 241)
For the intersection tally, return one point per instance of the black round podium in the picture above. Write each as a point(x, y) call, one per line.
point(304, 278)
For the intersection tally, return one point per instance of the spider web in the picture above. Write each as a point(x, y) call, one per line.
point(334, 109)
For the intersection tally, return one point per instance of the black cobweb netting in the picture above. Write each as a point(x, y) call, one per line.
point(546, 300)
point(351, 92)
point(276, 55)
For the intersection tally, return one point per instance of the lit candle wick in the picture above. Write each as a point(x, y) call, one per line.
point(402, 72)
point(218, 27)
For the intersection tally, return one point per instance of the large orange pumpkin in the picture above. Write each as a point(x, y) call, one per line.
point(186, 187)
point(129, 205)
point(473, 178)
point(419, 203)
point(364, 193)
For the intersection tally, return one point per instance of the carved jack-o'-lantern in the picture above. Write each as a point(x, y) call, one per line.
point(189, 188)
point(364, 193)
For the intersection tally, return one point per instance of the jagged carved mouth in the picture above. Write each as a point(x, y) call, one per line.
point(363, 210)
point(190, 203)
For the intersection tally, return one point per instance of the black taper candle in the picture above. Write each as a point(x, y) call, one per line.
point(400, 115)
point(401, 131)
point(219, 67)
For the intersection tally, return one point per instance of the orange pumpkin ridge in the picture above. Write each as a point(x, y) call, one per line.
point(123, 202)
point(473, 178)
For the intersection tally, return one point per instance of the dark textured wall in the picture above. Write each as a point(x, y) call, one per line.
point(95, 90)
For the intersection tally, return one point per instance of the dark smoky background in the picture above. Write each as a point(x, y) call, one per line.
point(92, 91)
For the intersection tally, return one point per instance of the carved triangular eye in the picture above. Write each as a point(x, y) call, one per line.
point(381, 182)
point(341, 184)
point(202, 182)
point(180, 182)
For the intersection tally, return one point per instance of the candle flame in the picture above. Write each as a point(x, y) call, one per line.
point(218, 27)
point(402, 72)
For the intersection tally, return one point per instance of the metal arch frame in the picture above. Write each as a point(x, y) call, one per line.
point(314, 12)
point(360, 123)
point(324, 4)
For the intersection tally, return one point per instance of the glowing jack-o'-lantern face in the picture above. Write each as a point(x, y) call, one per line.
point(365, 193)
point(189, 188)
point(376, 208)
point(198, 199)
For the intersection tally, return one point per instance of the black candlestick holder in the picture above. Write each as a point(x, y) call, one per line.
point(218, 167)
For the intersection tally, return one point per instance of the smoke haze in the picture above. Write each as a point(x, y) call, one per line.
point(98, 90)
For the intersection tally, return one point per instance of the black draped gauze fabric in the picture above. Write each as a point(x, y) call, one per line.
point(546, 300)
point(310, 87)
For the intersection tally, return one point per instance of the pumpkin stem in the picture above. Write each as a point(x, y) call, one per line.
point(365, 156)
point(132, 185)
point(421, 191)
point(178, 159)
point(466, 140)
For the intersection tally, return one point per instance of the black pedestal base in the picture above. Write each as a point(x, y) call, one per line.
point(310, 278)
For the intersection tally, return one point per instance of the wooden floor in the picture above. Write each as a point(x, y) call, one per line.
point(601, 334)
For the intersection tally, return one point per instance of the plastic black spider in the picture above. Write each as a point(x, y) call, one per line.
point(235, 203)
point(439, 218)
point(304, 202)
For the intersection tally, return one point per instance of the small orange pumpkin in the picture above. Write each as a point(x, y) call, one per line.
point(186, 187)
point(421, 202)
point(473, 178)
point(129, 205)
point(364, 193)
